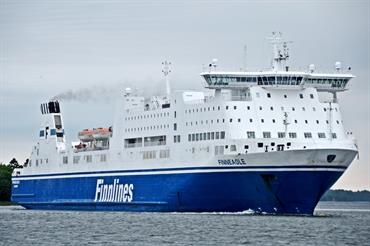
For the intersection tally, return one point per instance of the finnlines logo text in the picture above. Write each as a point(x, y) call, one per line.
point(115, 192)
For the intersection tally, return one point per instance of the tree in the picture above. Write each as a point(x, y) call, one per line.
point(6, 179)
point(14, 164)
point(5, 182)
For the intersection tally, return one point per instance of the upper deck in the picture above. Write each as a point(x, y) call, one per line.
point(279, 76)
point(335, 82)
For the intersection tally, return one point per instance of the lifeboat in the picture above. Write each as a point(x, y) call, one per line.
point(102, 133)
point(86, 135)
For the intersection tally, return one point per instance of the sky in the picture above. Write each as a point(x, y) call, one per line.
point(48, 48)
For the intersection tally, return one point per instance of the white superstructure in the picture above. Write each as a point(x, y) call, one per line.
point(243, 113)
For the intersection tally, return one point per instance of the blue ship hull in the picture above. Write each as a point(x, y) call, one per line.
point(278, 192)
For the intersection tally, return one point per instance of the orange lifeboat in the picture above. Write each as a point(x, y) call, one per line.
point(86, 135)
point(102, 133)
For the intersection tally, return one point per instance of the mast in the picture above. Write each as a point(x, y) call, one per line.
point(280, 52)
point(166, 70)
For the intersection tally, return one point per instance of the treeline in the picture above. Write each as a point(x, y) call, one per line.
point(6, 179)
point(346, 196)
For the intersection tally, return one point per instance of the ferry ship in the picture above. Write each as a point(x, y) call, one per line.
point(263, 141)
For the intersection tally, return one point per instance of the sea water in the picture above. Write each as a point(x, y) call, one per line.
point(332, 224)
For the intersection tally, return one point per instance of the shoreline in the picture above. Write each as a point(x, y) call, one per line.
point(7, 203)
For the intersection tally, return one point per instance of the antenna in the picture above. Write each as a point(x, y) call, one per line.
point(166, 70)
point(280, 51)
point(286, 123)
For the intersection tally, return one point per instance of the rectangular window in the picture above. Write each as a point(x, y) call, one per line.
point(217, 135)
point(164, 153)
point(334, 135)
point(212, 135)
point(292, 135)
point(189, 137)
point(76, 159)
point(308, 135)
point(321, 135)
point(149, 154)
point(65, 159)
point(208, 135)
point(197, 137)
point(233, 147)
point(175, 127)
point(222, 135)
point(154, 140)
point(193, 137)
point(251, 135)
point(103, 157)
point(266, 134)
point(42, 133)
point(219, 150)
point(88, 158)
point(133, 142)
point(200, 136)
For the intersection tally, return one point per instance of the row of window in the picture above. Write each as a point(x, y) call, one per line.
point(272, 80)
point(248, 108)
point(148, 141)
point(38, 161)
point(206, 136)
point(147, 128)
point(86, 158)
point(239, 120)
point(152, 154)
point(251, 134)
point(333, 82)
point(139, 117)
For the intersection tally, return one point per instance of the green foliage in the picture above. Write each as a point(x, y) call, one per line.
point(14, 163)
point(6, 179)
point(5, 182)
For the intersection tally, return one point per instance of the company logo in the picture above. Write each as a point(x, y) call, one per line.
point(115, 192)
point(232, 162)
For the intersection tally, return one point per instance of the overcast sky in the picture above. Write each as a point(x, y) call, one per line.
point(50, 47)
